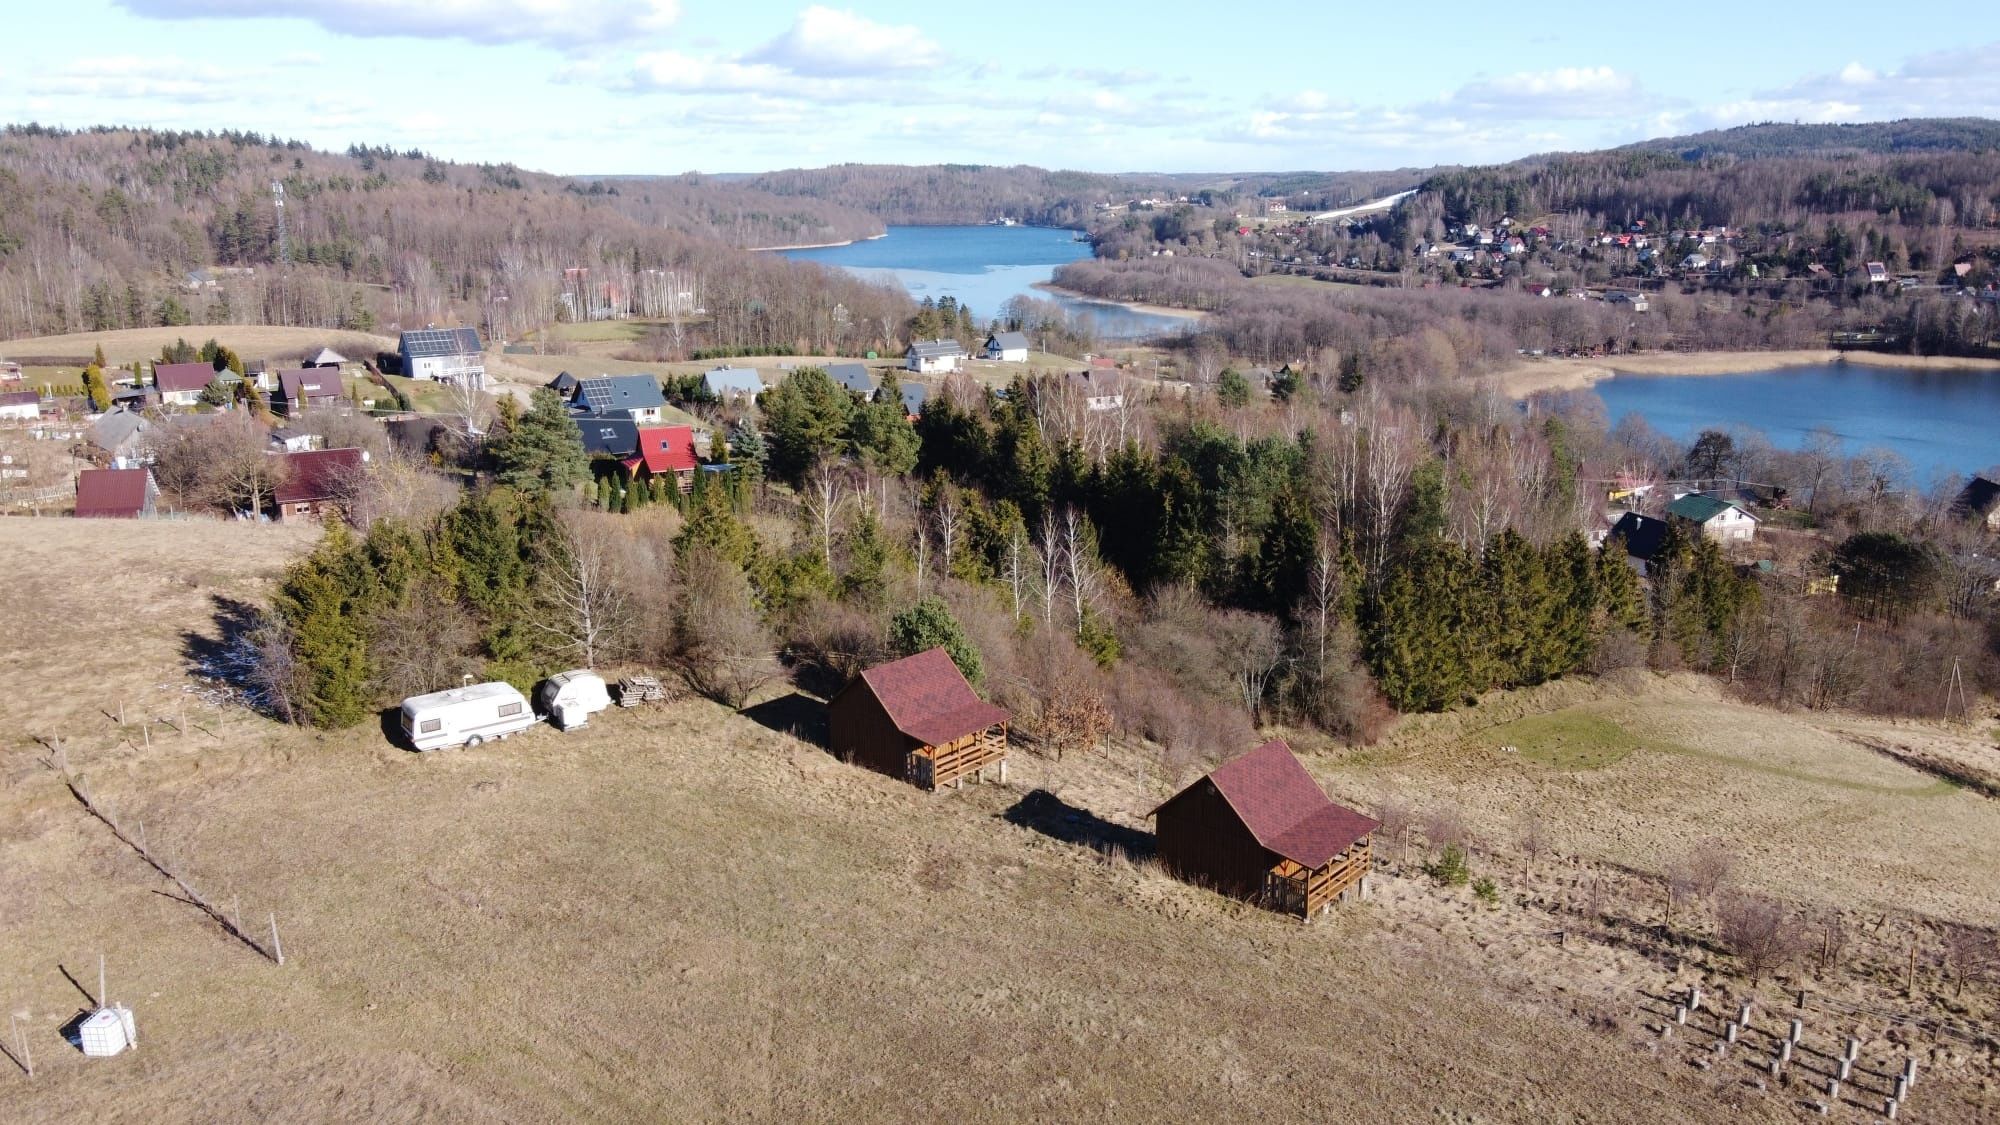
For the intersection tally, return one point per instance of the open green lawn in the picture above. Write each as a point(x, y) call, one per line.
point(1569, 740)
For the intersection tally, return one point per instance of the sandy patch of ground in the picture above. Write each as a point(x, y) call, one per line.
point(1532, 376)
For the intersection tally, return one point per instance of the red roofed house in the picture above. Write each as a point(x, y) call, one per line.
point(115, 494)
point(663, 450)
point(316, 480)
point(1260, 828)
point(918, 719)
point(181, 384)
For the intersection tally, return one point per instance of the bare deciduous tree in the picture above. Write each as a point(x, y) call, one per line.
point(1970, 954)
point(1758, 931)
point(725, 651)
point(584, 608)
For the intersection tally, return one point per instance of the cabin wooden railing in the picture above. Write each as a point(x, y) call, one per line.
point(934, 767)
point(1292, 888)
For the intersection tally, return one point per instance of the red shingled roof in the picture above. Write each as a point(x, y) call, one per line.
point(665, 449)
point(171, 377)
point(928, 699)
point(311, 475)
point(1285, 808)
point(112, 493)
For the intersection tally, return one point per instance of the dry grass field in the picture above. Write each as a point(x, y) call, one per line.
point(259, 341)
point(683, 913)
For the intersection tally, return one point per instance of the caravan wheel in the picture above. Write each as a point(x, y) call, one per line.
point(473, 741)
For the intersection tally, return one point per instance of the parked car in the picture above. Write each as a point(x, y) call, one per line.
point(465, 716)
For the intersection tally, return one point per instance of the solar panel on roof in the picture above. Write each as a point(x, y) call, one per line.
point(424, 343)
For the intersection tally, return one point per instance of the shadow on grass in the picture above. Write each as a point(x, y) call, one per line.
point(1044, 812)
point(794, 713)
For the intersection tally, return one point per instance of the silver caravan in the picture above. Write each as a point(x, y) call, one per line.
point(465, 716)
point(569, 699)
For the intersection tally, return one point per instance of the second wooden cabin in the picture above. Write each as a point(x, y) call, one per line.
point(918, 719)
point(1260, 828)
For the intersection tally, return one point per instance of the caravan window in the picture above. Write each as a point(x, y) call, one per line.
point(430, 726)
point(509, 710)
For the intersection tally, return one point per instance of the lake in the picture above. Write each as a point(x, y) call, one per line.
point(1945, 420)
point(983, 267)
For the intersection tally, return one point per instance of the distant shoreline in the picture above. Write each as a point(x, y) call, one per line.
point(1135, 306)
point(1533, 376)
point(814, 245)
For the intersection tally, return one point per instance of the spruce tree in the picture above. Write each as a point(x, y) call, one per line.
point(322, 602)
point(806, 417)
point(542, 451)
point(928, 625)
point(880, 435)
point(1425, 646)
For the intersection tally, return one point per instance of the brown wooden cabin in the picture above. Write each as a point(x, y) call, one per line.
point(1260, 828)
point(918, 719)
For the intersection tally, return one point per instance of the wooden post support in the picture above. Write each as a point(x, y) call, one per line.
point(277, 947)
point(1694, 998)
point(1910, 1070)
point(1798, 1030)
point(1853, 1049)
point(1910, 981)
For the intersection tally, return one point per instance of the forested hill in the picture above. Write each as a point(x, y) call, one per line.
point(935, 194)
point(100, 228)
point(1916, 172)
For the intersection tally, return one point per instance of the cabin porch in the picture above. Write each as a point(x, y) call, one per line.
point(1293, 888)
point(934, 767)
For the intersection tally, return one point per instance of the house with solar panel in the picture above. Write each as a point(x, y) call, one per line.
point(445, 355)
point(637, 397)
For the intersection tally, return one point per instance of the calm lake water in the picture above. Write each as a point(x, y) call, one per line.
point(983, 267)
point(1942, 421)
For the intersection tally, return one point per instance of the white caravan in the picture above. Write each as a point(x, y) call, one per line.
point(465, 716)
point(569, 699)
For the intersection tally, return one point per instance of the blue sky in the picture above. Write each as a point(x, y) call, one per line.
point(664, 86)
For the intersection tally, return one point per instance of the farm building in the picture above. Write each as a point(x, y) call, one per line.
point(935, 357)
point(918, 719)
point(1715, 517)
point(1260, 828)
point(317, 480)
point(448, 355)
point(1007, 347)
point(115, 494)
point(181, 384)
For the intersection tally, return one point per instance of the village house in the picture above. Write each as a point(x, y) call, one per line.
point(1643, 537)
point(1007, 347)
point(294, 441)
point(854, 377)
point(1260, 828)
point(181, 384)
point(1878, 274)
point(304, 388)
point(914, 396)
point(1631, 298)
point(10, 372)
point(25, 406)
point(116, 494)
point(1103, 388)
point(119, 437)
point(316, 482)
point(935, 357)
point(637, 397)
point(664, 451)
point(613, 437)
point(446, 355)
point(728, 383)
point(918, 719)
point(1714, 517)
point(1979, 502)
point(326, 357)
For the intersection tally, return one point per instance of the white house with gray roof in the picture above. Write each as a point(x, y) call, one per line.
point(1007, 347)
point(935, 357)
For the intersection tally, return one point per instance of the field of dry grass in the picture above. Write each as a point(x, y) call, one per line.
point(688, 914)
point(258, 341)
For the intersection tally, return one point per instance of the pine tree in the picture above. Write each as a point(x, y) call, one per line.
point(1425, 645)
point(928, 625)
point(542, 451)
point(321, 601)
point(1516, 607)
point(712, 525)
point(1572, 598)
point(1619, 599)
point(1285, 555)
point(807, 417)
point(879, 433)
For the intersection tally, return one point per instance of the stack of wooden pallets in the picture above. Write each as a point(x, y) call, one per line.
point(634, 690)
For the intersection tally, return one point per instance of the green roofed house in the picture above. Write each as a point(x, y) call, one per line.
point(1714, 517)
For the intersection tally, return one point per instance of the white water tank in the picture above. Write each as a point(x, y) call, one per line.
point(107, 1031)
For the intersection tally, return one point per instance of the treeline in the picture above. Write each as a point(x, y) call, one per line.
point(99, 230)
point(942, 194)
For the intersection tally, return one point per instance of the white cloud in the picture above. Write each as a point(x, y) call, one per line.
point(562, 23)
point(672, 70)
point(1566, 92)
point(825, 42)
point(167, 79)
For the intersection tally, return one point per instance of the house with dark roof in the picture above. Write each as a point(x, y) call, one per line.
point(119, 437)
point(1713, 516)
point(1007, 347)
point(304, 388)
point(914, 397)
point(854, 377)
point(1643, 537)
point(565, 385)
point(664, 451)
point(115, 494)
point(935, 357)
point(1260, 828)
point(314, 482)
point(181, 384)
point(1979, 502)
point(608, 436)
point(637, 397)
point(23, 405)
point(447, 355)
point(918, 719)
